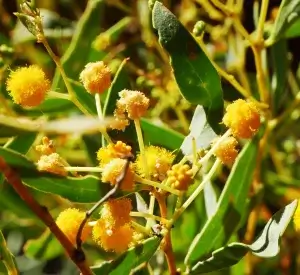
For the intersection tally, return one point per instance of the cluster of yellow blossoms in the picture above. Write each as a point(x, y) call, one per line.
point(113, 231)
point(243, 119)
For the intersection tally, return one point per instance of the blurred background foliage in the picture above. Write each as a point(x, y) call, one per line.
point(123, 29)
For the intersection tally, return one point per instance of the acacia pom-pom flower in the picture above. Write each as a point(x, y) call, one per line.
point(69, 221)
point(134, 103)
point(227, 151)
point(28, 86)
point(116, 212)
point(242, 118)
point(52, 163)
point(112, 239)
point(96, 77)
point(159, 161)
point(180, 176)
point(296, 218)
point(113, 169)
point(111, 151)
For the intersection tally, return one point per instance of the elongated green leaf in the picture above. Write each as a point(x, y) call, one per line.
point(120, 82)
point(266, 245)
point(294, 30)
point(195, 75)
point(289, 11)
point(161, 135)
point(83, 189)
point(7, 258)
point(279, 78)
point(200, 130)
point(46, 247)
point(77, 54)
point(231, 206)
point(130, 259)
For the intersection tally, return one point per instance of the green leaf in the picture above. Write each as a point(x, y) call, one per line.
point(231, 206)
point(129, 259)
point(84, 189)
point(280, 69)
point(120, 82)
point(221, 258)
point(200, 130)
point(289, 11)
point(92, 144)
point(76, 56)
point(161, 135)
point(6, 257)
point(46, 247)
point(266, 245)
point(294, 30)
point(195, 75)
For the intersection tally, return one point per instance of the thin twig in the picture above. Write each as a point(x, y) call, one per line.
point(77, 256)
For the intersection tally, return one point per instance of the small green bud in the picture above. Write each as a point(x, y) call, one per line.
point(199, 28)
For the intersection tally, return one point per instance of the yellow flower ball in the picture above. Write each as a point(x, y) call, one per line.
point(242, 118)
point(134, 103)
point(113, 169)
point(28, 86)
point(227, 151)
point(69, 221)
point(159, 161)
point(96, 77)
point(112, 239)
point(117, 212)
point(111, 151)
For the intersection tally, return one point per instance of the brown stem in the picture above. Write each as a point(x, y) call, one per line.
point(166, 243)
point(77, 256)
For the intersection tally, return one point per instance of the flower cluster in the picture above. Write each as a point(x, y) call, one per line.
point(180, 176)
point(50, 161)
point(113, 231)
point(226, 151)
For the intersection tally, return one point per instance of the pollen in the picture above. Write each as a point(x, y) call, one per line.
point(134, 103)
point(28, 86)
point(69, 221)
point(111, 151)
point(112, 239)
point(296, 218)
point(242, 118)
point(159, 161)
point(96, 77)
point(117, 212)
point(180, 176)
point(52, 163)
point(227, 151)
point(112, 171)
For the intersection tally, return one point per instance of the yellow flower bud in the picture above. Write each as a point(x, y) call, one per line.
point(180, 176)
point(296, 218)
point(227, 151)
point(28, 86)
point(242, 118)
point(96, 77)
